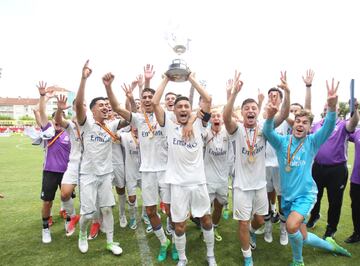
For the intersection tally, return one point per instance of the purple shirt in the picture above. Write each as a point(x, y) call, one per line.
point(57, 155)
point(355, 176)
point(334, 150)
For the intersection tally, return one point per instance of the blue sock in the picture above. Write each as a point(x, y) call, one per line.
point(315, 241)
point(296, 242)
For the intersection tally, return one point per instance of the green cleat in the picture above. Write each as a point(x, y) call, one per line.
point(296, 263)
point(336, 248)
point(163, 251)
point(174, 253)
point(217, 236)
point(226, 214)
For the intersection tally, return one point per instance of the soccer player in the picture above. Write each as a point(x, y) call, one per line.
point(250, 201)
point(57, 150)
point(185, 169)
point(96, 166)
point(71, 176)
point(295, 155)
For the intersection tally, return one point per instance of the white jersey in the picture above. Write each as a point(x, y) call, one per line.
point(132, 156)
point(271, 158)
point(97, 155)
point(217, 156)
point(185, 165)
point(75, 150)
point(153, 148)
point(117, 152)
point(249, 175)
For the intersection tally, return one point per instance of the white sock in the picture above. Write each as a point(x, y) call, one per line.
point(83, 224)
point(108, 223)
point(246, 253)
point(122, 201)
point(209, 240)
point(160, 234)
point(132, 210)
point(68, 206)
point(180, 244)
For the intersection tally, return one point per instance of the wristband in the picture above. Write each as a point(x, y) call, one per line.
point(206, 116)
point(42, 94)
point(308, 85)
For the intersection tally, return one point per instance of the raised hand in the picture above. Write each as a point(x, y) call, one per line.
point(128, 89)
point(108, 79)
point(140, 80)
point(332, 96)
point(62, 102)
point(229, 86)
point(283, 85)
point(133, 85)
point(42, 88)
point(271, 110)
point(148, 72)
point(261, 97)
point(237, 85)
point(86, 71)
point(308, 79)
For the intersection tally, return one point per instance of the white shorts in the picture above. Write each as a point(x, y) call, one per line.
point(152, 188)
point(131, 186)
point(186, 200)
point(273, 179)
point(218, 191)
point(249, 202)
point(118, 175)
point(95, 191)
point(70, 177)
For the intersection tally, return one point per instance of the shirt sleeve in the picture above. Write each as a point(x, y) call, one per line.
point(320, 136)
point(272, 137)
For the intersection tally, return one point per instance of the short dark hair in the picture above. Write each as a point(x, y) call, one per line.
point(181, 98)
point(93, 101)
point(277, 90)
point(170, 93)
point(152, 91)
point(249, 100)
point(298, 104)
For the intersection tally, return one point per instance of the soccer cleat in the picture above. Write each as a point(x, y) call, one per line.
point(62, 214)
point(268, 232)
point(182, 263)
point(312, 221)
point(252, 240)
point(217, 236)
point(46, 236)
point(114, 247)
point(329, 233)
point(50, 221)
point(83, 243)
point(132, 224)
point(70, 229)
point(283, 234)
point(163, 251)
point(337, 248)
point(94, 230)
point(149, 229)
point(248, 261)
point(146, 220)
point(275, 218)
point(226, 214)
point(354, 238)
point(123, 221)
point(174, 253)
point(162, 207)
point(211, 261)
point(296, 263)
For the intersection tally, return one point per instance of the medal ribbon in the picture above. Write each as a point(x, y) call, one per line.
point(135, 139)
point(151, 128)
point(55, 138)
point(251, 147)
point(213, 136)
point(289, 159)
point(112, 135)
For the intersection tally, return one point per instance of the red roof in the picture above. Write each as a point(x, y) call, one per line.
point(18, 101)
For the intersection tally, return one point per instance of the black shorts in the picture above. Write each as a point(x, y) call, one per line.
point(50, 182)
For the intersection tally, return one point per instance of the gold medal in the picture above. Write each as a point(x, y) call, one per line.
point(288, 168)
point(251, 159)
point(151, 134)
point(117, 141)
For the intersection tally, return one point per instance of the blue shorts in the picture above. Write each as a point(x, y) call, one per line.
point(302, 205)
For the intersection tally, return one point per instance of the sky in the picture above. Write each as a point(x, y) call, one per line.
point(50, 40)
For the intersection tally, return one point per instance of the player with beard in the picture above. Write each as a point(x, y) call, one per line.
point(295, 154)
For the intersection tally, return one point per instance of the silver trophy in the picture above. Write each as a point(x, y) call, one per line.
point(178, 70)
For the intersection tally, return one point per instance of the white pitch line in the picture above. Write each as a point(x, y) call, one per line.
point(143, 243)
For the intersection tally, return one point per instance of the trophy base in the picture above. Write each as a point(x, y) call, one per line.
point(178, 71)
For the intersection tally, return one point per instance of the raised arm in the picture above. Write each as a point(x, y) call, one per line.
point(354, 120)
point(268, 129)
point(261, 98)
point(308, 80)
point(155, 101)
point(140, 83)
point(230, 123)
point(285, 107)
point(148, 75)
point(115, 105)
point(203, 93)
point(43, 119)
point(130, 104)
point(80, 96)
point(61, 107)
